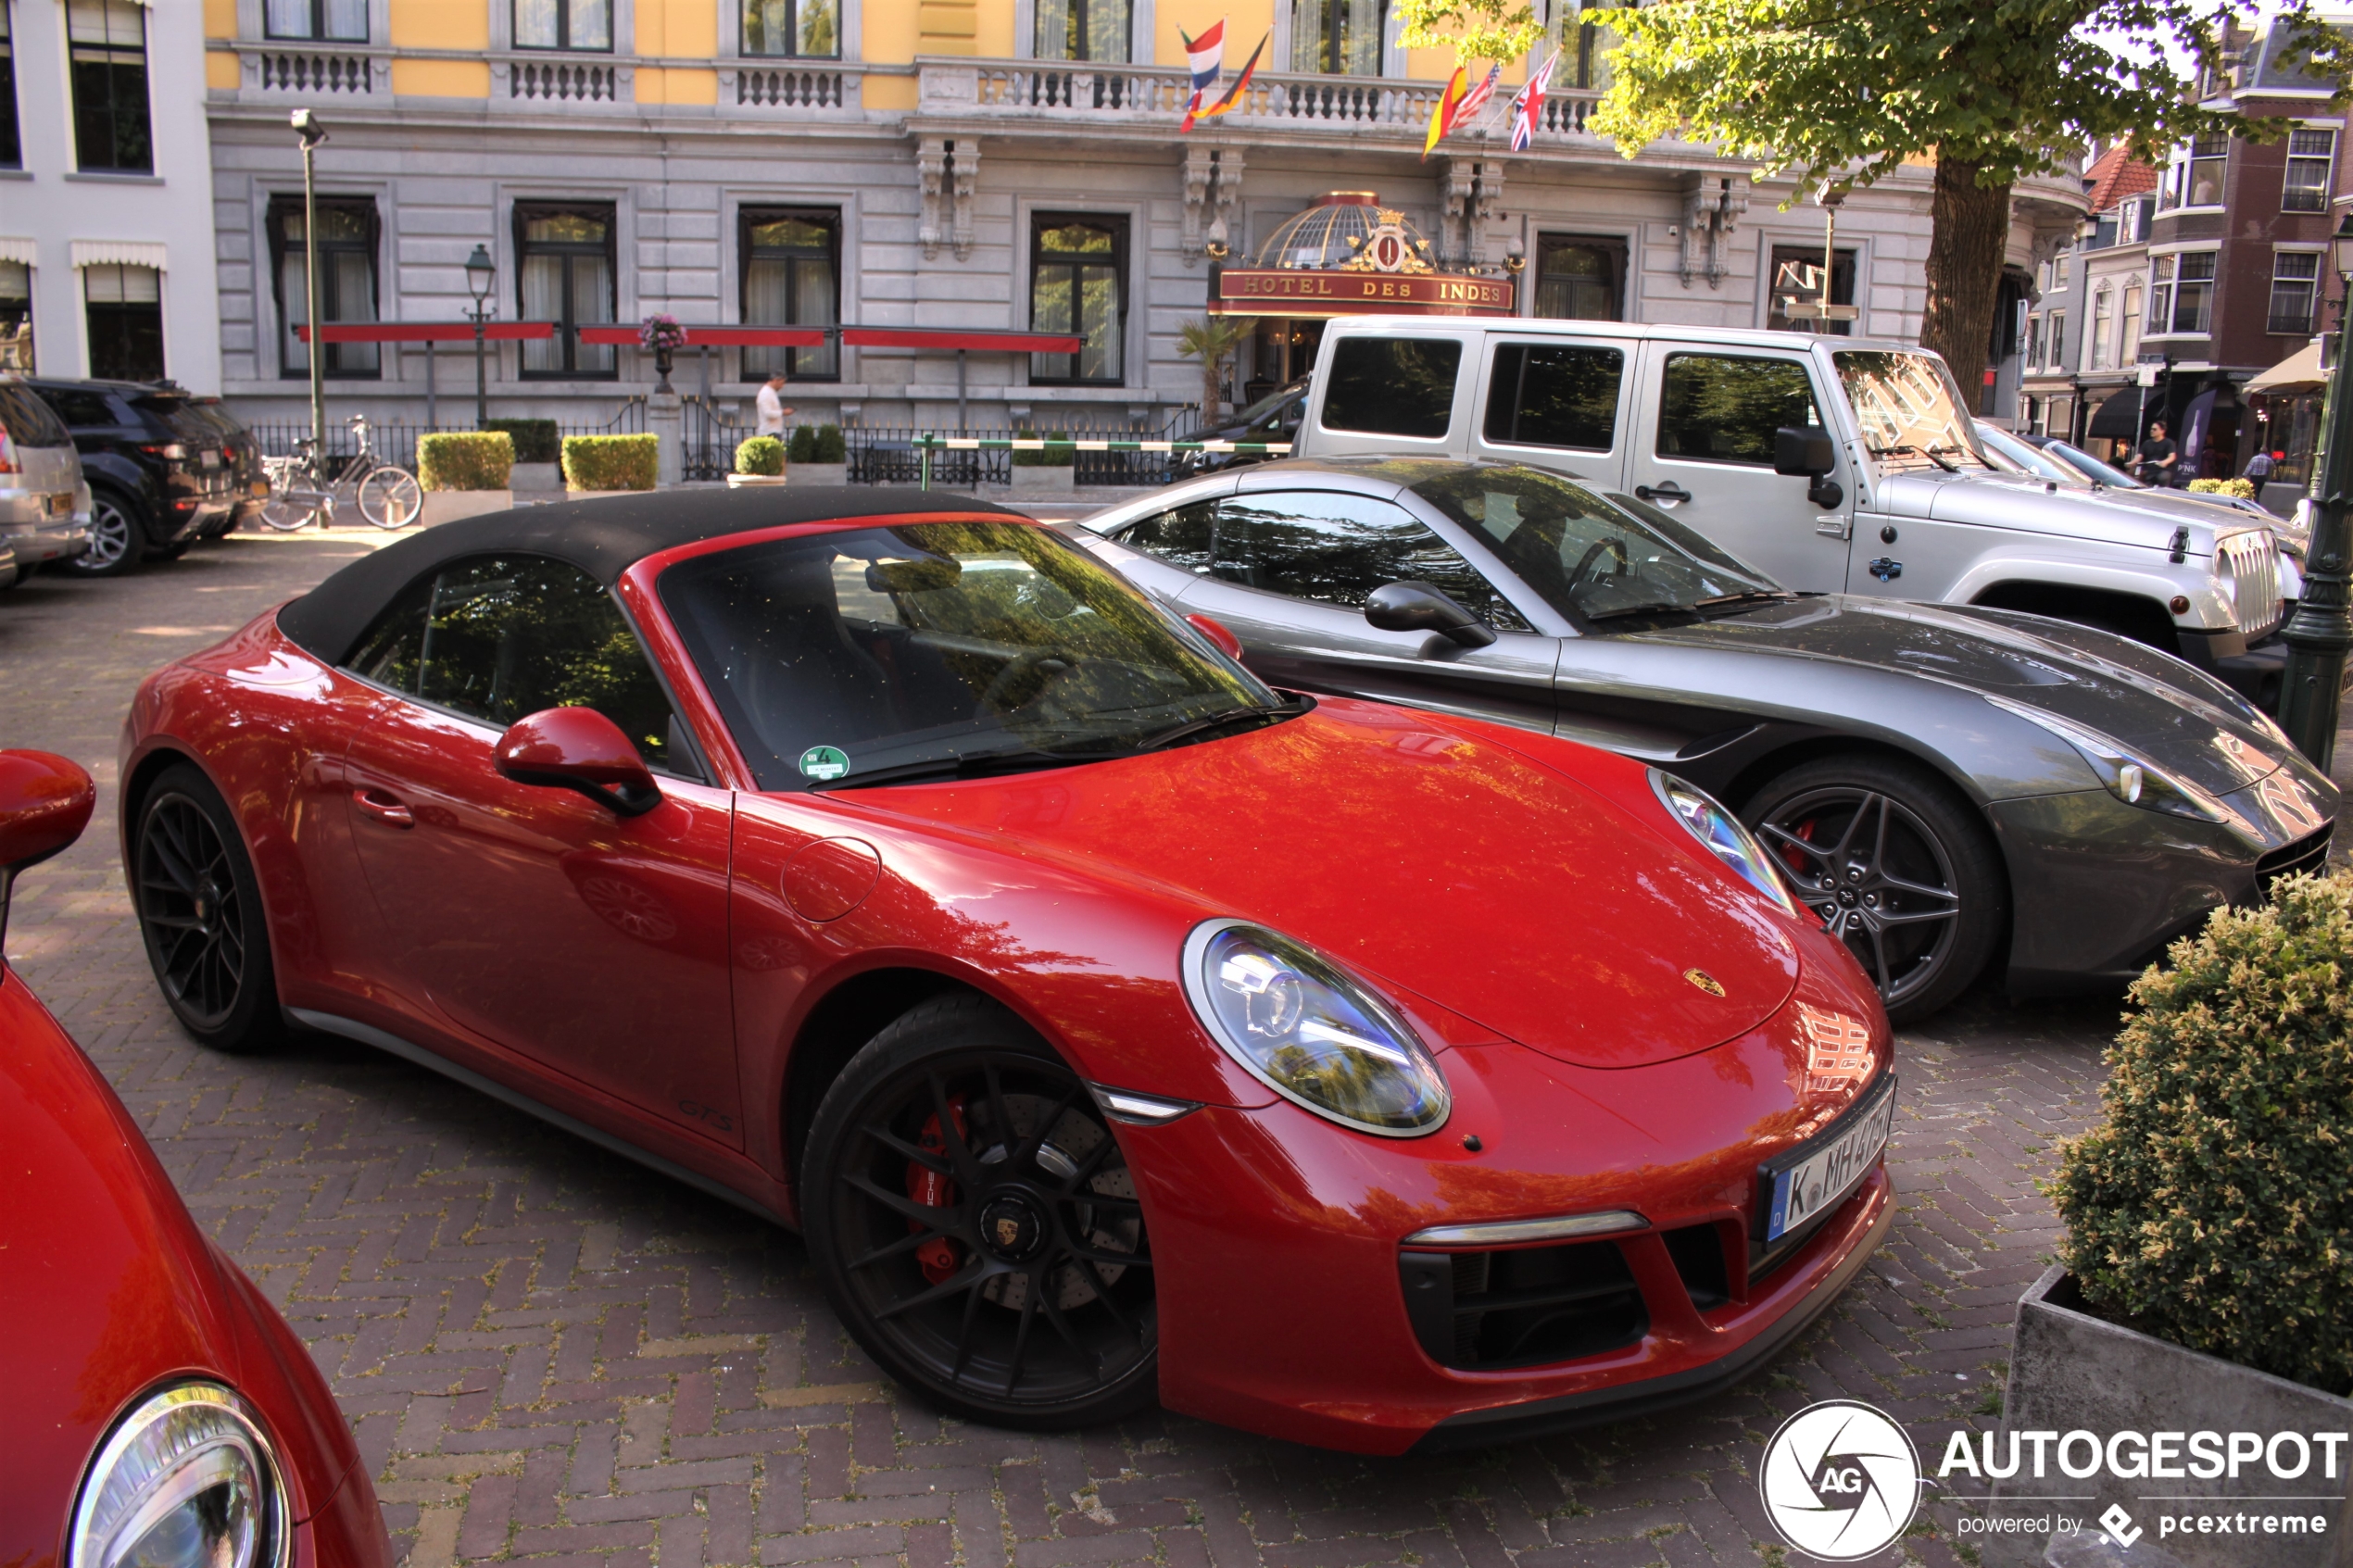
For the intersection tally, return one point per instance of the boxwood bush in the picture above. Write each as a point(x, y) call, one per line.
point(830, 447)
point(2242, 488)
point(472, 460)
point(1052, 458)
point(2214, 1208)
point(761, 454)
point(534, 439)
point(803, 448)
point(611, 462)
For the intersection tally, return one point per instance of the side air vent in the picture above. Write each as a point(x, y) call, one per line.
point(1698, 1252)
point(1523, 1307)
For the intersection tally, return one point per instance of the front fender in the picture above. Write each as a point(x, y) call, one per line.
point(2210, 610)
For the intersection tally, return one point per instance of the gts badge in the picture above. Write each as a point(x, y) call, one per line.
point(695, 1111)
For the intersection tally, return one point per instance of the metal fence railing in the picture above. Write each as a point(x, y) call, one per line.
point(893, 455)
point(396, 442)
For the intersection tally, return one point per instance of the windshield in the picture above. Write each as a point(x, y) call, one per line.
point(1909, 415)
point(834, 656)
point(2007, 451)
point(2092, 468)
point(1267, 406)
point(1592, 558)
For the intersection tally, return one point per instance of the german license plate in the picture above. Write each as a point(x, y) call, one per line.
point(259, 487)
point(210, 458)
point(1813, 1179)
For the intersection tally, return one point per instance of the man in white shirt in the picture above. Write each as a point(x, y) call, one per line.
point(771, 403)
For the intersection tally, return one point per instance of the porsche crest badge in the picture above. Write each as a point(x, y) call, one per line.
point(1008, 1231)
point(1704, 981)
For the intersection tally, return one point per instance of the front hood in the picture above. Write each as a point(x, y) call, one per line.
point(2034, 505)
point(2158, 705)
point(1430, 857)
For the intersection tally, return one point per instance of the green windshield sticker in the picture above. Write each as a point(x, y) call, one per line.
point(823, 763)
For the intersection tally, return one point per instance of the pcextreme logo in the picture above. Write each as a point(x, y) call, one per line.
point(1841, 1480)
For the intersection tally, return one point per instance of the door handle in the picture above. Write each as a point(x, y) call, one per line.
point(1670, 492)
point(385, 808)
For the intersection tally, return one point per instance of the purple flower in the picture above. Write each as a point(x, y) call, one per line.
point(661, 330)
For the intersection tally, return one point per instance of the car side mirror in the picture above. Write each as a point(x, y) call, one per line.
point(1808, 452)
point(579, 749)
point(1417, 606)
point(44, 803)
point(1226, 642)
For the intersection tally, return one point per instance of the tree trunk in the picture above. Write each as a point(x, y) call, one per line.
point(1969, 228)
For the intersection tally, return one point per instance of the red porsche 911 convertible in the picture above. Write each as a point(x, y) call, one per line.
point(1113, 1027)
point(161, 1414)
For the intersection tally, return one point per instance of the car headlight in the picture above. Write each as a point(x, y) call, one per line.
point(1725, 836)
point(1306, 1031)
point(2130, 777)
point(186, 1480)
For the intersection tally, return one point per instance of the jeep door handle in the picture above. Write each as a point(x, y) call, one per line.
point(1670, 492)
point(384, 807)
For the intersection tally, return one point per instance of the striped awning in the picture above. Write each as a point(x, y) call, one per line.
point(25, 251)
point(121, 253)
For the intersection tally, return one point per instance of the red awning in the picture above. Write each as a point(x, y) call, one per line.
point(430, 331)
point(978, 340)
point(719, 336)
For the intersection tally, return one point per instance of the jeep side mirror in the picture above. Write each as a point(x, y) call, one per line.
point(1808, 452)
point(1417, 606)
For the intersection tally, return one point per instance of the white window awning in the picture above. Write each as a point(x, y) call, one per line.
point(24, 251)
point(120, 253)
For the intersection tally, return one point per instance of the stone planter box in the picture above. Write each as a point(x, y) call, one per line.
point(448, 506)
point(820, 473)
point(742, 480)
point(537, 476)
point(595, 494)
point(1056, 480)
point(2071, 1372)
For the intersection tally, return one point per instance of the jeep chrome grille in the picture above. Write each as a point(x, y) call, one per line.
point(2254, 563)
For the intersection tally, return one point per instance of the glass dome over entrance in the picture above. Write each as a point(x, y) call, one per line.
point(1348, 231)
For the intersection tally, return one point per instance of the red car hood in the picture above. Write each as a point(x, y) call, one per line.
point(1425, 853)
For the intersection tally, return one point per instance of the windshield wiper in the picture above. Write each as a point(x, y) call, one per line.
point(1963, 450)
point(1929, 453)
point(1744, 596)
point(1638, 610)
point(1218, 720)
point(977, 765)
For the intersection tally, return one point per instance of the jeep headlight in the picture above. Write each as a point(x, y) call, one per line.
point(1310, 1033)
point(1724, 836)
point(2130, 777)
point(186, 1480)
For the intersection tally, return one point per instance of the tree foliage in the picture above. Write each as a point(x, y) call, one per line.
point(1476, 29)
point(1212, 340)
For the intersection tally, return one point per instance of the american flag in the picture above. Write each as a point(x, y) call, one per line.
point(1529, 106)
point(1476, 99)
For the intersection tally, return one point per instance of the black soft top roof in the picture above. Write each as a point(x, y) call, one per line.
point(604, 537)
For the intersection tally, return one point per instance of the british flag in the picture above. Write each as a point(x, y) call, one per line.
point(1529, 106)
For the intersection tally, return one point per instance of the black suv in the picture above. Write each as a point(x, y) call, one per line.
point(166, 468)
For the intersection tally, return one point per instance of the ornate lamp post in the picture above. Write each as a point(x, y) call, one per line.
point(2320, 631)
point(482, 273)
point(306, 126)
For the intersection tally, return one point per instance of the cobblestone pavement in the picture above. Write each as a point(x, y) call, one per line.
point(550, 1353)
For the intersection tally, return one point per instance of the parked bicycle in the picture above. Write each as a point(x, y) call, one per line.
point(303, 487)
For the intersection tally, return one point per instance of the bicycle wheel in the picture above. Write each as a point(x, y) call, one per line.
point(285, 512)
point(389, 497)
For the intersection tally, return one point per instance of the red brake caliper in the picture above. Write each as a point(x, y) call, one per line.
point(1795, 858)
point(938, 1256)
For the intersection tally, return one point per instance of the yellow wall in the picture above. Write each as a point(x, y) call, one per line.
point(1247, 21)
point(441, 78)
point(889, 92)
point(890, 34)
point(995, 31)
point(440, 24)
point(658, 86)
point(221, 69)
point(676, 28)
point(947, 27)
point(220, 20)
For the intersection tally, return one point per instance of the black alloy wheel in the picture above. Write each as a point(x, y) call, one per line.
point(977, 1225)
point(116, 542)
point(1895, 867)
point(200, 913)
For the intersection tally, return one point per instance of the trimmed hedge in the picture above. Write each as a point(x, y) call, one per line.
point(2242, 488)
point(611, 462)
point(474, 459)
point(1052, 458)
point(2212, 1209)
point(803, 448)
point(534, 439)
point(818, 443)
point(761, 454)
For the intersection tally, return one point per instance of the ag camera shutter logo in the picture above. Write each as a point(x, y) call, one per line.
point(1841, 1480)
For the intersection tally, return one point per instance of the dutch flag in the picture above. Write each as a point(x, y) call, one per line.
point(1206, 55)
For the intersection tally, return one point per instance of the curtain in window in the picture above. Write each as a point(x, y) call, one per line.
point(1340, 37)
point(1084, 30)
point(109, 41)
point(342, 21)
point(1576, 282)
point(542, 300)
point(1074, 288)
point(564, 24)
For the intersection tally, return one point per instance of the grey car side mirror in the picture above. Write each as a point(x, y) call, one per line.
point(1808, 452)
point(1417, 606)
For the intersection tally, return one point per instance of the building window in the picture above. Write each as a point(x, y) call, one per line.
point(2057, 343)
point(2059, 268)
point(1797, 275)
point(1338, 37)
point(1083, 30)
point(1580, 280)
point(773, 28)
point(341, 21)
point(1078, 283)
point(108, 42)
point(2133, 228)
point(2310, 155)
point(347, 233)
point(15, 317)
point(2101, 351)
point(2128, 326)
point(2209, 160)
point(2181, 292)
point(564, 24)
point(125, 313)
point(791, 278)
point(2034, 341)
point(11, 145)
point(566, 276)
point(1585, 44)
point(2296, 291)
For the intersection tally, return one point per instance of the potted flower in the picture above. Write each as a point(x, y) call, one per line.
point(759, 461)
point(2205, 1281)
point(464, 473)
point(1045, 472)
point(661, 333)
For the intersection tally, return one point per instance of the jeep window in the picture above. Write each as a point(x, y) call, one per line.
point(1392, 385)
point(1555, 394)
point(1724, 409)
point(1907, 409)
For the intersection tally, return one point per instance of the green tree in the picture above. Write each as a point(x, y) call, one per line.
point(1844, 93)
point(1212, 340)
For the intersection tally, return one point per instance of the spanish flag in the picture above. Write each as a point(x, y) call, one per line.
point(1442, 115)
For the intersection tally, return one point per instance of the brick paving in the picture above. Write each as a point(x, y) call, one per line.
point(550, 1354)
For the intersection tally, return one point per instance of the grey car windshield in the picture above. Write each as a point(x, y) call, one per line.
point(2091, 468)
point(938, 649)
point(1592, 558)
point(1905, 406)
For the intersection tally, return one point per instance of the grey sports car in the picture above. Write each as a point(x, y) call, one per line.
point(1947, 786)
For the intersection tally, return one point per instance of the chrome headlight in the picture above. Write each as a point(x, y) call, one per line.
point(1309, 1033)
point(2130, 777)
point(1725, 836)
point(186, 1480)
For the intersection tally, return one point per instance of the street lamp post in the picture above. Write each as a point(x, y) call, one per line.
point(306, 126)
point(2320, 631)
point(481, 274)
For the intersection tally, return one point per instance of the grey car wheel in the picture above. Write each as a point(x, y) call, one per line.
point(1895, 866)
point(116, 541)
